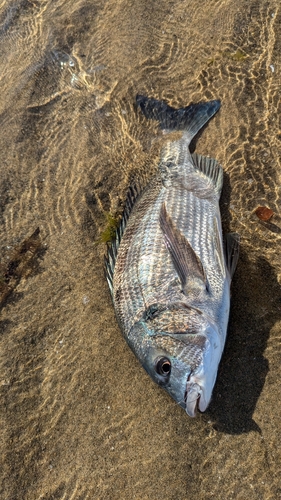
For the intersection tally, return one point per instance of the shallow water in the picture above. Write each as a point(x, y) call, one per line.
point(79, 418)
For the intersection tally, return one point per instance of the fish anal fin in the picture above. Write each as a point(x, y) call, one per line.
point(187, 264)
point(232, 241)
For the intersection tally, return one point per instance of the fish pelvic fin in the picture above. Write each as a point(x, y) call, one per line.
point(232, 241)
point(190, 119)
point(211, 169)
point(187, 264)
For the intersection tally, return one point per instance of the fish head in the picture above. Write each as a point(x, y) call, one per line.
point(184, 364)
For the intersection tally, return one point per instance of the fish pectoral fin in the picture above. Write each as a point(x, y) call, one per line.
point(187, 264)
point(232, 241)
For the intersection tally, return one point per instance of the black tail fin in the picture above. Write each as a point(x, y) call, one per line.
point(191, 118)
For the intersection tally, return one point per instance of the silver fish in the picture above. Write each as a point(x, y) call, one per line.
point(168, 271)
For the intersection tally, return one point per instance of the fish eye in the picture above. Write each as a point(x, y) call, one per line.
point(163, 366)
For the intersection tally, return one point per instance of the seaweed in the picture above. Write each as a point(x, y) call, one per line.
point(108, 234)
point(238, 56)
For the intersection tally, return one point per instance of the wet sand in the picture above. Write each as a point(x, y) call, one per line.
point(80, 419)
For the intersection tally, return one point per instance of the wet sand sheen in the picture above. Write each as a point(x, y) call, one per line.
point(79, 417)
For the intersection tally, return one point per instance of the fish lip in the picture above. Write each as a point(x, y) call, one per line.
point(192, 398)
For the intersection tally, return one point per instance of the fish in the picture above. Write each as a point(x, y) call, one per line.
point(169, 268)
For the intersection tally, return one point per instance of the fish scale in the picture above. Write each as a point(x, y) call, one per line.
point(149, 259)
point(127, 275)
point(167, 273)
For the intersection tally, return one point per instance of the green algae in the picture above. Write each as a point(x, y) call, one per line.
point(238, 55)
point(108, 234)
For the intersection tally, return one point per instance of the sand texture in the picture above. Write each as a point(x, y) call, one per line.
point(79, 417)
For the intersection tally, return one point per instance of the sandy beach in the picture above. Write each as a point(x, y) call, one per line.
point(79, 417)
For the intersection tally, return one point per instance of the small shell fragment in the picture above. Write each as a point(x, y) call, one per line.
point(264, 213)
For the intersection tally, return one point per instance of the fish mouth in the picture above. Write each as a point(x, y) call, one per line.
point(192, 398)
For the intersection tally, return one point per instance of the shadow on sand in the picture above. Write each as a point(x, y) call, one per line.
point(255, 308)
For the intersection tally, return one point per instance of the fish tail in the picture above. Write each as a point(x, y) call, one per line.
point(190, 119)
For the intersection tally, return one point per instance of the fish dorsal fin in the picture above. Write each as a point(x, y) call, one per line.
point(112, 248)
point(232, 241)
point(187, 264)
point(211, 169)
point(190, 119)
